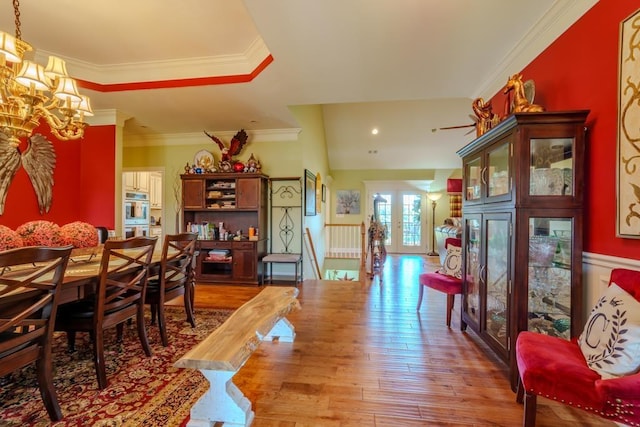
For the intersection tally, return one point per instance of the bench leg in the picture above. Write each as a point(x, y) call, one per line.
point(283, 330)
point(223, 402)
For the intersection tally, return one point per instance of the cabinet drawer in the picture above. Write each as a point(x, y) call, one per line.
point(215, 244)
point(243, 245)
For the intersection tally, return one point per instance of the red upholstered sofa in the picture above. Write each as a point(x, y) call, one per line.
point(556, 369)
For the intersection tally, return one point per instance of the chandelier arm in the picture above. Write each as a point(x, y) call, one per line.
point(72, 132)
point(65, 129)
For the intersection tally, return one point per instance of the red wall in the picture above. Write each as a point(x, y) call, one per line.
point(84, 182)
point(580, 71)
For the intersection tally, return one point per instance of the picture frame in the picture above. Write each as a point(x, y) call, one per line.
point(627, 178)
point(309, 193)
point(324, 193)
point(348, 202)
point(319, 193)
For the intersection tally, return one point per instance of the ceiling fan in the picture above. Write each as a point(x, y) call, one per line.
point(483, 111)
point(472, 125)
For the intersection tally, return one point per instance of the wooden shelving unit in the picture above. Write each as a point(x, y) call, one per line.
point(239, 202)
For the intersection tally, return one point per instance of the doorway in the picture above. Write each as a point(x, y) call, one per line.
point(147, 189)
point(404, 214)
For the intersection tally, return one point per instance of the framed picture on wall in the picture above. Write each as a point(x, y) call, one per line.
point(628, 179)
point(348, 202)
point(309, 193)
point(319, 200)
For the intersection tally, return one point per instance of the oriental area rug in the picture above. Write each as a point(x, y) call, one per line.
point(142, 391)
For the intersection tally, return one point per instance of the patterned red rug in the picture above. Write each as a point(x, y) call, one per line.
point(142, 391)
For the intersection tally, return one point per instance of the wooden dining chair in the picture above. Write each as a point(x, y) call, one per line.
point(120, 295)
point(175, 278)
point(28, 304)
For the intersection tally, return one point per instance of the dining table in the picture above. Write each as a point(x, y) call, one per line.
point(80, 278)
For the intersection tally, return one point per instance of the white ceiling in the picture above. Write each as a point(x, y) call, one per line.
point(407, 67)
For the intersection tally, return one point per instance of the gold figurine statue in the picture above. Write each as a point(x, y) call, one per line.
point(521, 103)
point(485, 117)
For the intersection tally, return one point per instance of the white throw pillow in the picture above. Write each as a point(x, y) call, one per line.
point(452, 265)
point(610, 341)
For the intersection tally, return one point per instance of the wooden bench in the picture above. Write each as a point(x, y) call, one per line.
point(225, 351)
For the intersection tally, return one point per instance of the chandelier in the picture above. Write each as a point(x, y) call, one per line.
point(30, 92)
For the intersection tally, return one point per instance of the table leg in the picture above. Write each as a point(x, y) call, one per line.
point(283, 330)
point(223, 402)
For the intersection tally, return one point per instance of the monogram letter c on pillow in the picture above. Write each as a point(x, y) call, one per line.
point(610, 341)
point(452, 265)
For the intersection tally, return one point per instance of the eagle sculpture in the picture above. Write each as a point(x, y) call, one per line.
point(39, 161)
point(235, 147)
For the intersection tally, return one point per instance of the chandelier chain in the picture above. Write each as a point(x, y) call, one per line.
point(16, 11)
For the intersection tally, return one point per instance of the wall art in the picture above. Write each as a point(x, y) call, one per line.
point(309, 193)
point(348, 202)
point(628, 176)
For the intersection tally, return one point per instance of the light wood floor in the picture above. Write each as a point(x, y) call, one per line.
point(363, 356)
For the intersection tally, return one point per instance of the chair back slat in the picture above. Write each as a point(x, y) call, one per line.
point(177, 257)
point(123, 274)
point(174, 278)
point(32, 276)
point(29, 289)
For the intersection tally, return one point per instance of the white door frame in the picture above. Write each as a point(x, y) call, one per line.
point(397, 188)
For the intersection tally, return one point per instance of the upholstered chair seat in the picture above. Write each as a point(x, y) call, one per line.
point(447, 279)
point(576, 372)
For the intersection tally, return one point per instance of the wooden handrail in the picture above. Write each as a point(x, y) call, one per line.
point(313, 253)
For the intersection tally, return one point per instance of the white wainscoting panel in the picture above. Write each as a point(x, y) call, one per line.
point(596, 269)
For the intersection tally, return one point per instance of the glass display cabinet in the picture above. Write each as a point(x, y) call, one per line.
point(522, 235)
point(549, 272)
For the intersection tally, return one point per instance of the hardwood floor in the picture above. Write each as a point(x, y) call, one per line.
point(363, 356)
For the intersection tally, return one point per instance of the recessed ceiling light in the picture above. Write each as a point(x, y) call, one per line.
point(374, 131)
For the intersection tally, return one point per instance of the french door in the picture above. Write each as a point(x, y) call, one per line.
point(404, 214)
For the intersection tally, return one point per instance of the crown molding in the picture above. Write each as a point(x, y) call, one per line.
point(174, 69)
point(556, 21)
point(107, 117)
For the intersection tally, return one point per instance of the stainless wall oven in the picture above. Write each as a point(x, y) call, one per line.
point(136, 231)
point(136, 209)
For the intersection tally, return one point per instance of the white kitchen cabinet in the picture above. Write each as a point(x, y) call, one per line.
point(155, 186)
point(137, 181)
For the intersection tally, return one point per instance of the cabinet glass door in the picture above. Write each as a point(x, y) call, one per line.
point(473, 177)
point(497, 278)
point(498, 170)
point(551, 168)
point(472, 267)
point(549, 276)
